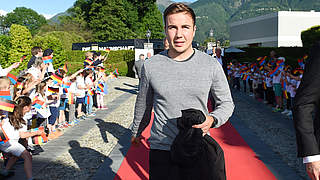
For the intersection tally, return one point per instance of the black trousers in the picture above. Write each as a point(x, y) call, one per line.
point(161, 166)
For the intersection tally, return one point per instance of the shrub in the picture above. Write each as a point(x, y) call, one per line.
point(310, 36)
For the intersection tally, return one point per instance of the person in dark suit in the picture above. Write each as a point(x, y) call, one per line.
point(221, 60)
point(306, 114)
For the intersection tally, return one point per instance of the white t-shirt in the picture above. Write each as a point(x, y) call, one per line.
point(50, 68)
point(35, 72)
point(12, 134)
point(276, 79)
point(268, 81)
point(3, 72)
point(80, 83)
point(293, 83)
point(89, 82)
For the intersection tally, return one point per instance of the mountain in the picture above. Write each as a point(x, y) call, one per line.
point(55, 18)
point(217, 14)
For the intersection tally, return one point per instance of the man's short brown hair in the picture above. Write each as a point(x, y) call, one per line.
point(35, 50)
point(175, 8)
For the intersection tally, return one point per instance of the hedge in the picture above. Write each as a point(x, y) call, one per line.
point(310, 36)
point(121, 59)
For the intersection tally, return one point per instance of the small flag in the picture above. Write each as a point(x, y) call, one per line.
point(5, 95)
point(90, 92)
point(22, 58)
point(285, 94)
point(65, 67)
point(305, 57)
point(65, 90)
point(280, 62)
point(274, 72)
point(12, 78)
point(40, 139)
point(298, 71)
point(107, 50)
point(300, 62)
point(19, 85)
point(53, 89)
point(66, 84)
point(3, 136)
point(262, 60)
point(6, 105)
point(56, 78)
point(116, 73)
point(37, 103)
point(88, 61)
point(100, 87)
point(47, 59)
point(101, 69)
point(87, 100)
point(70, 98)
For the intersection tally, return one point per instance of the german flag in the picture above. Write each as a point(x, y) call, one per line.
point(47, 59)
point(5, 95)
point(6, 105)
point(3, 136)
point(107, 50)
point(56, 78)
point(90, 92)
point(53, 89)
point(12, 78)
point(101, 69)
point(88, 61)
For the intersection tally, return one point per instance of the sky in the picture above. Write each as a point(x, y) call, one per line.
point(48, 8)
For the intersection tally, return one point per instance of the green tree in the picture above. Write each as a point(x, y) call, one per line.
point(121, 19)
point(65, 38)
point(310, 36)
point(5, 45)
point(25, 17)
point(20, 40)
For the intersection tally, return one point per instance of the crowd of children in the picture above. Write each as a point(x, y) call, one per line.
point(269, 79)
point(40, 101)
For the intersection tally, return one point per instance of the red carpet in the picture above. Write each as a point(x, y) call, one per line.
point(241, 161)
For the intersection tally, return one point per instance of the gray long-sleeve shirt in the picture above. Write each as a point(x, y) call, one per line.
point(170, 86)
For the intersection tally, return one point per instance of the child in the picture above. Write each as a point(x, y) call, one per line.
point(101, 87)
point(90, 86)
point(80, 94)
point(53, 96)
point(15, 128)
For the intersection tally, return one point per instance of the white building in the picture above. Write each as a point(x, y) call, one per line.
point(280, 29)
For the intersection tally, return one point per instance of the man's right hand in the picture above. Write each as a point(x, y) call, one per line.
point(135, 141)
point(313, 170)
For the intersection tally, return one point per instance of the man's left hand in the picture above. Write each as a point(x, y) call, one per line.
point(206, 125)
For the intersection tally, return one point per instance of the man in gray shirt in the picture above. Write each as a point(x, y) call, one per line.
point(177, 79)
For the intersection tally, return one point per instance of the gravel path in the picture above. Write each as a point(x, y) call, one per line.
point(86, 155)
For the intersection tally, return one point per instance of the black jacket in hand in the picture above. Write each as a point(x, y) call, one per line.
point(198, 157)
